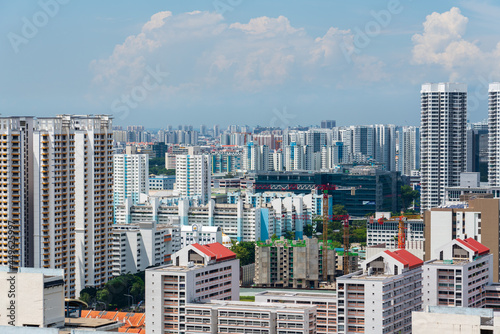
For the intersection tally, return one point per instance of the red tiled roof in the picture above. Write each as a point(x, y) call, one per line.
point(406, 258)
point(216, 251)
point(475, 245)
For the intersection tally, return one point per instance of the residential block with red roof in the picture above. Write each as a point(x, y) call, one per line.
point(460, 274)
point(381, 297)
point(198, 273)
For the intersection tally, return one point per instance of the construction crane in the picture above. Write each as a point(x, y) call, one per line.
point(401, 232)
point(346, 246)
point(325, 235)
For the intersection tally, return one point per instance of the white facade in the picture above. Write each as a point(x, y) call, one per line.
point(408, 149)
point(459, 276)
point(245, 317)
point(442, 140)
point(455, 320)
point(494, 134)
point(32, 297)
point(198, 274)
point(381, 297)
point(193, 176)
point(387, 232)
point(130, 177)
point(200, 234)
point(60, 196)
point(141, 245)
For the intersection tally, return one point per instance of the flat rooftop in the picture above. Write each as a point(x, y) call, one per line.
point(252, 305)
point(298, 294)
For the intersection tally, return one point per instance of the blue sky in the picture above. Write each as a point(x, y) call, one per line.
point(160, 63)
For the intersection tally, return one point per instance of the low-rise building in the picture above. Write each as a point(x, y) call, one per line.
point(200, 234)
point(325, 302)
point(456, 320)
point(161, 182)
point(31, 297)
point(245, 317)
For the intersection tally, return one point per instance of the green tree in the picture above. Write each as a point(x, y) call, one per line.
point(245, 251)
point(408, 195)
point(86, 298)
point(308, 230)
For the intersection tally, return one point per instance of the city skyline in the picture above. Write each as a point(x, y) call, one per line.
point(256, 64)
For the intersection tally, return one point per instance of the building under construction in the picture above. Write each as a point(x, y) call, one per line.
point(293, 263)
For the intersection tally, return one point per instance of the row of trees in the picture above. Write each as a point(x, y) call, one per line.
point(118, 293)
point(157, 167)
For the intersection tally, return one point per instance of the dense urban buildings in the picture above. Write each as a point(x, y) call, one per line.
point(442, 140)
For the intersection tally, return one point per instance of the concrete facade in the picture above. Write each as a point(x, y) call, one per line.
point(477, 218)
point(32, 297)
point(292, 264)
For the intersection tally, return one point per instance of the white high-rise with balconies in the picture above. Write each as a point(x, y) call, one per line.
point(494, 134)
point(57, 195)
point(130, 177)
point(443, 141)
point(193, 176)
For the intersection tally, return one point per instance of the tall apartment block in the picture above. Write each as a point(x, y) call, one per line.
point(442, 140)
point(409, 149)
point(477, 219)
point(130, 177)
point(58, 177)
point(193, 176)
point(197, 274)
point(494, 134)
point(381, 297)
point(459, 276)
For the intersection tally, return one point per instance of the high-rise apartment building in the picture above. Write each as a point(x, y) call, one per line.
point(193, 176)
point(58, 197)
point(409, 149)
point(442, 139)
point(130, 177)
point(494, 134)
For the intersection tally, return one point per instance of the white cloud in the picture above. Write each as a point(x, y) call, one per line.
point(443, 43)
point(201, 51)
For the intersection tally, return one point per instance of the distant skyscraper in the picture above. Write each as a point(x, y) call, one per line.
point(385, 145)
point(328, 124)
point(409, 149)
point(494, 134)
point(442, 140)
point(193, 176)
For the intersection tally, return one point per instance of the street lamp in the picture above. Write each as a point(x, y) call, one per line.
point(98, 302)
point(129, 300)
